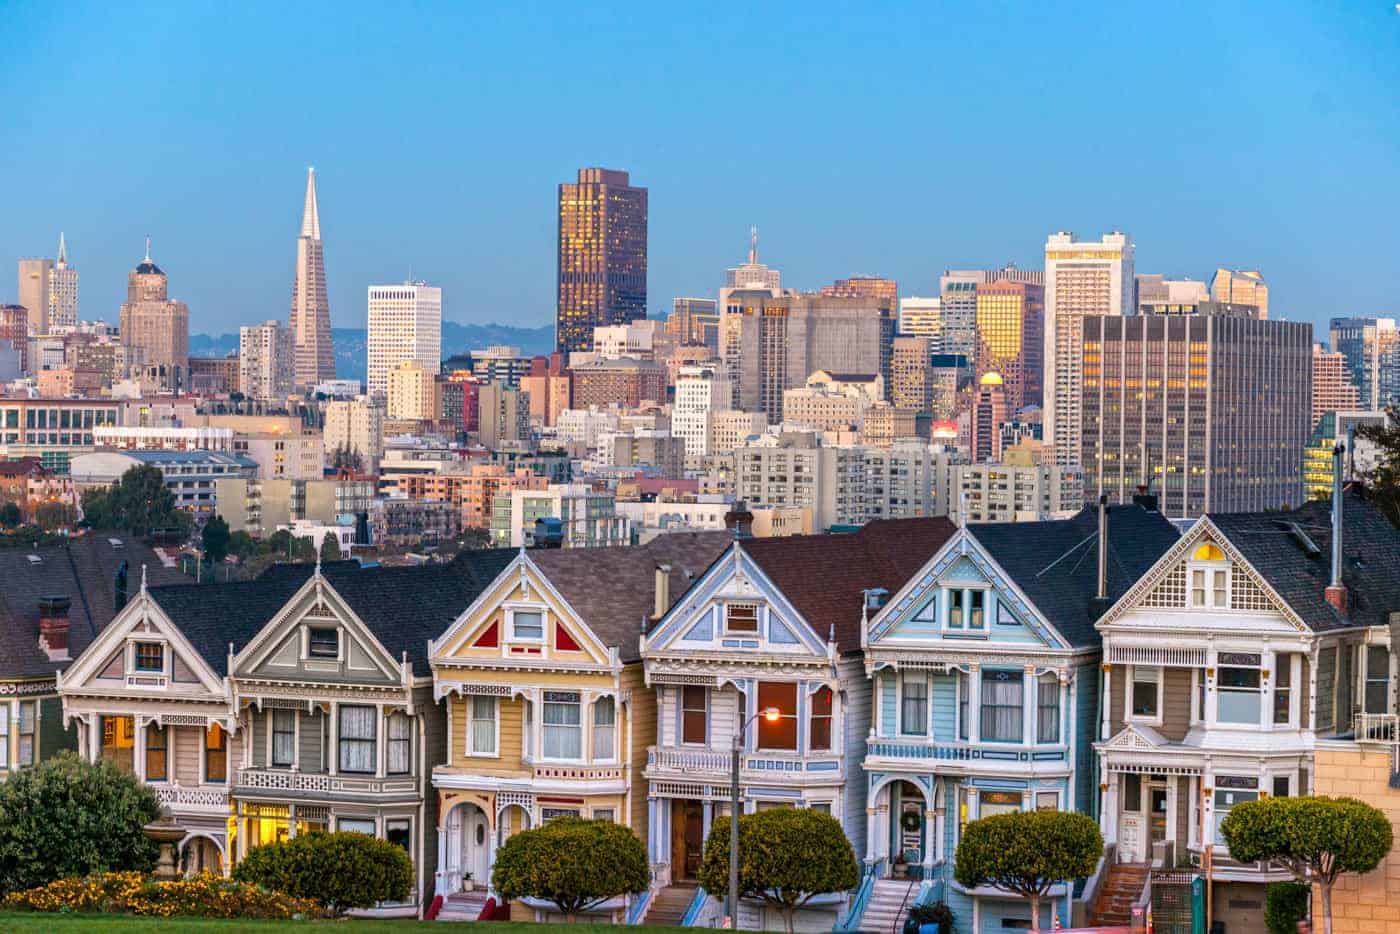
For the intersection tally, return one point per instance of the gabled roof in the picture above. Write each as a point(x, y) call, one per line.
point(82, 570)
point(1055, 563)
point(1370, 559)
point(823, 576)
point(613, 590)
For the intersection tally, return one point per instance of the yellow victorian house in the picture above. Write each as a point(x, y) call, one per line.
point(547, 713)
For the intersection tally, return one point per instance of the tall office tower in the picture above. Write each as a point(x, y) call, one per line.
point(694, 321)
point(957, 300)
point(911, 383)
point(311, 309)
point(35, 278)
point(1081, 278)
point(922, 317)
point(266, 361)
point(1010, 338)
point(863, 287)
point(405, 324)
point(155, 330)
point(1158, 295)
point(989, 411)
point(751, 275)
point(1241, 287)
point(700, 392)
point(63, 291)
point(1332, 388)
point(773, 343)
point(1210, 410)
point(14, 331)
point(757, 282)
point(1372, 349)
point(602, 255)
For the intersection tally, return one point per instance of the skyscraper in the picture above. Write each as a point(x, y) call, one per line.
point(1332, 388)
point(34, 284)
point(1241, 287)
point(863, 287)
point(311, 310)
point(266, 361)
point(405, 325)
point(14, 332)
point(922, 317)
point(63, 291)
point(1372, 349)
point(989, 410)
point(957, 290)
point(758, 283)
point(911, 383)
point(1081, 278)
point(155, 330)
point(694, 321)
point(602, 255)
point(1010, 339)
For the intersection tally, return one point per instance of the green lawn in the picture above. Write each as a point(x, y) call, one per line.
point(62, 924)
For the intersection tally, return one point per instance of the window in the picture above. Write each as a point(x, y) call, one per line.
point(957, 611)
point(563, 730)
point(400, 749)
point(964, 703)
point(357, 736)
point(1237, 692)
point(284, 737)
point(783, 733)
point(607, 814)
point(215, 754)
point(1048, 710)
point(1220, 588)
point(1198, 587)
point(1230, 791)
point(963, 809)
point(1146, 687)
point(1047, 800)
point(481, 731)
point(364, 825)
point(28, 714)
point(977, 616)
point(819, 730)
point(1283, 686)
point(694, 715)
point(1132, 792)
point(604, 728)
point(398, 832)
point(323, 642)
point(1001, 706)
point(1377, 679)
point(1199, 714)
point(741, 617)
point(549, 814)
point(999, 802)
point(1280, 786)
point(150, 656)
point(527, 625)
point(157, 743)
point(913, 704)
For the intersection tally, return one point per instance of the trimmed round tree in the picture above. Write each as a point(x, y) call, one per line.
point(1315, 838)
point(787, 856)
point(338, 870)
point(1028, 852)
point(576, 864)
point(66, 817)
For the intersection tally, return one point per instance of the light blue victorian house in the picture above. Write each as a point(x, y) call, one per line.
point(984, 670)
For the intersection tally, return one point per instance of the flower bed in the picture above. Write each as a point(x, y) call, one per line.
point(204, 896)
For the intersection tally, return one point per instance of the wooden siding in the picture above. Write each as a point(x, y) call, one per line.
point(640, 724)
point(1176, 703)
point(1117, 682)
point(507, 759)
point(854, 720)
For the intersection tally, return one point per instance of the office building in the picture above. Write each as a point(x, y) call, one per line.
point(1081, 278)
point(498, 363)
point(624, 381)
point(952, 373)
point(1210, 411)
point(998, 492)
point(832, 401)
point(548, 387)
point(957, 304)
point(266, 361)
point(863, 287)
point(641, 338)
point(63, 291)
point(1372, 350)
point(1158, 295)
point(191, 476)
point(694, 321)
point(700, 392)
point(1241, 287)
point(35, 286)
point(354, 429)
point(208, 375)
point(990, 410)
point(155, 330)
point(922, 317)
point(911, 374)
point(503, 414)
point(405, 324)
point(311, 311)
point(412, 392)
point(1332, 388)
point(14, 330)
point(602, 269)
point(752, 275)
point(730, 428)
point(1010, 338)
point(1361, 454)
point(885, 424)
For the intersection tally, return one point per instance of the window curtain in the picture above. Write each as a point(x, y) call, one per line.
point(604, 728)
point(1001, 706)
point(483, 735)
point(563, 732)
point(400, 744)
point(283, 736)
point(357, 739)
point(914, 706)
point(1048, 721)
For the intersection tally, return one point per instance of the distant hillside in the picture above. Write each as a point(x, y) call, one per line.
point(350, 351)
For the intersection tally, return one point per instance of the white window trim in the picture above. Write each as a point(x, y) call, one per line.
point(306, 642)
point(1214, 691)
point(927, 731)
point(510, 635)
point(154, 639)
point(1210, 568)
point(585, 728)
point(467, 746)
point(1129, 680)
point(680, 718)
point(758, 617)
point(295, 764)
point(617, 733)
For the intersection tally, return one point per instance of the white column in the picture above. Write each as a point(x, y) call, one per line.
point(974, 704)
point(138, 739)
point(381, 735)
point(1110, 804)
point(450, 700)
point(1030, 691)
point(1107, 702)
point(334, 758)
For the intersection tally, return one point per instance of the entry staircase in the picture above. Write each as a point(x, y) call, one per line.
point(889, 904)
point(668, 906)
point(1119, 892)
point(463, 906)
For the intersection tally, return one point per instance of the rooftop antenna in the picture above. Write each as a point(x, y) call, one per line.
point(148, 248)
point(753, 245)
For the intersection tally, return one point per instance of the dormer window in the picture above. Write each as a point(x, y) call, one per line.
point(741, 617)
point(150, 657)
point(1210, 586)
point(323, 642)
point(527, 626)
point(967, 609)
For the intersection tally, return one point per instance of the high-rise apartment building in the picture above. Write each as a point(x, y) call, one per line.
point(412, 392)
point(503, 414)
point(1082, 278)
point(35, 284)
point(1210, 411)
point(155, 330)
point(63, 291)
point(911, 383)
point(863, 287)
point(311, 309)
point(405, 325)
point(356, 426)
point(922, 317)
point(14, 330)
point(1372, 350)
point(700, 392)
point(1241, 287)
point(989, 410)
point(266, 361)
point(1010, 338)
point(694, 321)
point(602, 255)
point(1332, 388)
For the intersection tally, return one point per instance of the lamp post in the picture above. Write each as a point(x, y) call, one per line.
point(772, 715)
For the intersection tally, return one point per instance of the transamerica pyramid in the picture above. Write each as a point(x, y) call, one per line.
point(311, 312)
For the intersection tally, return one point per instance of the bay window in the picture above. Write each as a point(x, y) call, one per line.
point(782, 733)
point(357, 738)
point(819, 730)
point(1283, 687)
point(964, 703)
point(1002, 706)
point(695, 715)
point(604, 728)
point(28, 730)
point(1238, 691)
point(481, 731)
point(157, 743)
point(400, 748)
point(562, 725)
point(1230, 791)
point(1048, 709)
point(913, 704)
point(1377, 698)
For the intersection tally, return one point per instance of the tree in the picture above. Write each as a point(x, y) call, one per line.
point(786, 857)
point(1285, 904)
point(347, 458)
point(50, 516)
point(242, 545)
point(338, 870)
point(10, 516)
point(1383, 480)
point(330, 548)
point(66, 817)
point(1315, 838)
point(1028, 852)
point(284, 546)
point(215, 539)
point(576, 864)
point(139, 503)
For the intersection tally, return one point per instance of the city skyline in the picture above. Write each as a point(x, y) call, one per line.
point(220, 213)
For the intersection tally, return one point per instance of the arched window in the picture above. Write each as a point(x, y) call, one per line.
point(1208, 552)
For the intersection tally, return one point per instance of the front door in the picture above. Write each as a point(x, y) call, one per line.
point(687, 840)
point(1132, 832)
point(476, 844)
point(1156, 814)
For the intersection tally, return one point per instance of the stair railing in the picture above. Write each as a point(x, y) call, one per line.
point(898, 921)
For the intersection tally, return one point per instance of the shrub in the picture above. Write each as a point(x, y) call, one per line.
point(576, 864)
point(70, 818)
point(933, 913)
point(204, 896)
point(338, 870)
point(1285, 904)
point(1028, 852)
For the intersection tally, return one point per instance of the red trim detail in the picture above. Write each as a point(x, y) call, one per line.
point(490, 639)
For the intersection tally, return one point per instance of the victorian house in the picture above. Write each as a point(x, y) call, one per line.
point(985, 690)
point(546, 711)
point(1253, 640)
point(771, 624)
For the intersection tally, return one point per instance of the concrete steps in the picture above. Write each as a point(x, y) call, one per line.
point(668, 906)
point(463, 906)
point(1122, 887)
point(889, 904)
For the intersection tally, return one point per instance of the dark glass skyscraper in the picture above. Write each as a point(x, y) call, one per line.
point(602, 255)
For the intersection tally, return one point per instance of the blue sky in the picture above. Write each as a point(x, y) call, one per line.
point(897, 139)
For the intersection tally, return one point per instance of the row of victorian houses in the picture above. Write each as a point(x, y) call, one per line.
point(927, 675)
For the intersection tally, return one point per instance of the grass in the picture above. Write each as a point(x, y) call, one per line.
point(125, 924)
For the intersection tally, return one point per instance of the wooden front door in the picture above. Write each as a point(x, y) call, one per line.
point(687, 839)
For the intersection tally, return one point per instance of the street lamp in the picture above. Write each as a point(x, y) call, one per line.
point(772, 715)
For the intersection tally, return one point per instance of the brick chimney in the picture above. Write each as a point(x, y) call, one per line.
point(53, 626)
point(1336, 592)
point(663, 590)
point(739, 521)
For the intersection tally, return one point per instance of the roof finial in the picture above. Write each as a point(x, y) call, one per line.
point(62, 250)
point(143, 579)
point(753, 245)
point(148, 248)
point(318, 560)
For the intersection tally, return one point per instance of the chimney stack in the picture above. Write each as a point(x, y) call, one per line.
point(1336, 592)
point(53, 626)
point(663, 589)
point(738, 520)
point(1102, 592)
